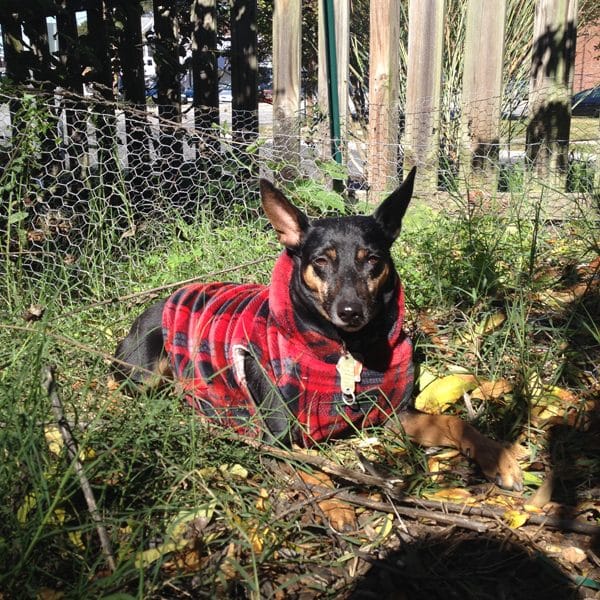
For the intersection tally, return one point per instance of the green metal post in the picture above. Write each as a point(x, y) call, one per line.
point(332, 81)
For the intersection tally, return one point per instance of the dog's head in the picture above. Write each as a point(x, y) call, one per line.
point(344, 264)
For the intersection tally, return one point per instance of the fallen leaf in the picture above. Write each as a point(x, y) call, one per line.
point(515, 518)
point(54, 439)
point(451, 495)
point(34, 313)
point(573, 554)
point(49, 594)
point(490, 323)
point(236, 471)
point(263, 496)
point(443, 392)
point(426, 377)
point(29, 503)
point(227, 565)
point(492, 390)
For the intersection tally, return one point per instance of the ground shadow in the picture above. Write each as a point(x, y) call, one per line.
point(467, 566)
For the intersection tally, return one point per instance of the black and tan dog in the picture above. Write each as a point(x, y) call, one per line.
point(318, 354)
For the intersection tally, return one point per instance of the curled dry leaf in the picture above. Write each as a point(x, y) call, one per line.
point(34, 313)
point(492, 390)
point(573, 554)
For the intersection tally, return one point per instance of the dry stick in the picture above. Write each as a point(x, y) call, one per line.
point(49, 385)
point(162, 288)
point(415, 513)
point(396, 494)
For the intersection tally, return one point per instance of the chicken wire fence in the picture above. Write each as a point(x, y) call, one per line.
point(86, 185)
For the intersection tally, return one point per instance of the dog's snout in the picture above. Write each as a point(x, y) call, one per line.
point(350, 312)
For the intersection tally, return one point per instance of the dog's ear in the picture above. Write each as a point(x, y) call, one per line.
point(288, 221)
point(390, 212)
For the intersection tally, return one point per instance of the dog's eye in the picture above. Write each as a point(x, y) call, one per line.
point(373, 260)
point(320, 262)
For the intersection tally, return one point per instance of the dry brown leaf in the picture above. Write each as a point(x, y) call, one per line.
point(492, 390)
point(340, 514)
point(573, 554)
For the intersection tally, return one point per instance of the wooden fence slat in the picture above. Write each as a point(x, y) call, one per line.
point(244, 71)
point(424, 80)
point(205, 76)
point(383, 95)
point(551, 84)
point(482, 91)
point(287, 26)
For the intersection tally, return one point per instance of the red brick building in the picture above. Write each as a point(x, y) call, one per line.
point(587, 58)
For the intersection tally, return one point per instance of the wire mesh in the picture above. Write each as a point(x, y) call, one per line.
point(85, 184)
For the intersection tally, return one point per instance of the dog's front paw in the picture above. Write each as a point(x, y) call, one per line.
point(499, 464)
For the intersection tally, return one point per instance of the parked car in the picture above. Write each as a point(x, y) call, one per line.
point(225, 94)
point(586, 103)
point(265, 92)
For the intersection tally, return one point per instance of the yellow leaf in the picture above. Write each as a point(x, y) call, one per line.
point(385, 527)
point(28, 504)
point(490, 323)
point(178, 527)
point(263, 496)
point(147, 557)
point(426, 377)
point(76, 539)
point(235, 470)
point(54, 439)
point(444, 392)
point(451, 495)
point(515, 518)
point(257, 536)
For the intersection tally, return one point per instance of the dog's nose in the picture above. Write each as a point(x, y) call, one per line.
point(350, 312)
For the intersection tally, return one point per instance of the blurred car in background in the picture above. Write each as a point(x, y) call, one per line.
point(586, 103)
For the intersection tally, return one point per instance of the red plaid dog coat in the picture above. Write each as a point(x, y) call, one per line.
point(208, 328)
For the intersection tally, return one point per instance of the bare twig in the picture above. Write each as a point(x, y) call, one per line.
point(434, 514)
point(49, 385)
point(394, 493)
point(162, 288)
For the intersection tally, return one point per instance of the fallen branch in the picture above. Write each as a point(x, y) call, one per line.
point(394, 491)
point(49, 385)
point(434, 514)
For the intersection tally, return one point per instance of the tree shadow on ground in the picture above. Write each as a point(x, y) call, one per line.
point(465, 566)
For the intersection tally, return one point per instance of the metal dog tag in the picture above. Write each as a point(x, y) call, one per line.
point(349, 369)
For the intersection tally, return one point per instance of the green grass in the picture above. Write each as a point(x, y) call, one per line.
point(152, 463)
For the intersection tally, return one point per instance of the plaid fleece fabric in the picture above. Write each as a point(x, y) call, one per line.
point(208, 328)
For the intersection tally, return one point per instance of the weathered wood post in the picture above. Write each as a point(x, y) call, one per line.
point(551, 83)
point(166, 57)
point(383, 95)
point(244, 71)
point(16, 67)
point(482, 92)
point(100, 73)
point(423, 89)
point(287, 26)
point(205, 74)
point(76, 141)
point(127, 20)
